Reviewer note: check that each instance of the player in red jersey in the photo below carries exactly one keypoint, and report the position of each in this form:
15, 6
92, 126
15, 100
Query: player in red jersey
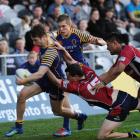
128, 59
81, 81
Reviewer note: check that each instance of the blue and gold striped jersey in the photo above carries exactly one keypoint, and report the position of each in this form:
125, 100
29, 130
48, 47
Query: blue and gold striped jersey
51, 58
73, 44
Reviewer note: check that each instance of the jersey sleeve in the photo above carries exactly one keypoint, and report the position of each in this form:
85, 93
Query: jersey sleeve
84, 37
69, 86
49, 57
86, 69
126, 56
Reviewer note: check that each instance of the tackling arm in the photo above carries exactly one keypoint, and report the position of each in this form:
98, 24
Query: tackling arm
113, 73
66, 55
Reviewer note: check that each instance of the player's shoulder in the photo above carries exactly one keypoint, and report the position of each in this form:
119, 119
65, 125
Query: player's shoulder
127, 49
75, 31
51, 51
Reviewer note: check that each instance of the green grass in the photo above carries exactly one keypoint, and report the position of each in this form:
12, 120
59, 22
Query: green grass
43, 129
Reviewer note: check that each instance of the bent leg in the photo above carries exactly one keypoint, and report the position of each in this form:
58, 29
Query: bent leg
106, 130
62, 108
25, 94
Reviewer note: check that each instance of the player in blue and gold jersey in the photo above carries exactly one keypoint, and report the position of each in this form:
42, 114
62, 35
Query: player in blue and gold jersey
50, 60
72, 40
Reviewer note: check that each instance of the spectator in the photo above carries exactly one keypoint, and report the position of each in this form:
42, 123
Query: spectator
52, 19
95, 26
24, 27
70, 8
119, 10
38, 14
9, 62
101, 6
84, 10
83, 24
4, 48
56, 3
32, 63
20, 49
133, 11
120, 14
110, 25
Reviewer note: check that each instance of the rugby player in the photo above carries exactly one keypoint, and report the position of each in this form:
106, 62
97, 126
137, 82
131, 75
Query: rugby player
128, 59
72, 39
50, 59
81, 81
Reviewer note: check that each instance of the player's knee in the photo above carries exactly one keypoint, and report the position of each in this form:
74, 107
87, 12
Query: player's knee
57, 111
101, 137
21, 97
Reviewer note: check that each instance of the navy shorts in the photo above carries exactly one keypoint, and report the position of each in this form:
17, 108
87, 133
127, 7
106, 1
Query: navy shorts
121, 107
47, 86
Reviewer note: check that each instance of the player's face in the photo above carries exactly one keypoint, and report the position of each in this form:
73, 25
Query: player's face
113, 47
40, 41
64, 28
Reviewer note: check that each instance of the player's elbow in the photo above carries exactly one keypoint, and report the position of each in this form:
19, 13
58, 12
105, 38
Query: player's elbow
40, 75
115, 72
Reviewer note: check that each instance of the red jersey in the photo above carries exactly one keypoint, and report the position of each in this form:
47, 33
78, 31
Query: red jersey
84, 89
130, 57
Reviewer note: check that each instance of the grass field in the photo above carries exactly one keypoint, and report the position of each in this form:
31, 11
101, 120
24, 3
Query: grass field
43, 129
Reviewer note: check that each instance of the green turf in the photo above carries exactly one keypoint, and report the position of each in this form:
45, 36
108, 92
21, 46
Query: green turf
43, 129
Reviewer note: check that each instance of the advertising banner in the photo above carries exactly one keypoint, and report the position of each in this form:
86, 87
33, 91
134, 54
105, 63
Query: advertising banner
37, 107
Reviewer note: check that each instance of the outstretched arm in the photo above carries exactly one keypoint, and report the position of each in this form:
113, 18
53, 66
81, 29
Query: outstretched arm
113, 73
96, 40
66, 55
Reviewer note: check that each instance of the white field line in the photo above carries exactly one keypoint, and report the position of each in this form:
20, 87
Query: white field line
74, 131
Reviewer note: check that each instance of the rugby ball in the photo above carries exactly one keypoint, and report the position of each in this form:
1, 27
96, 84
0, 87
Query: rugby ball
22, 73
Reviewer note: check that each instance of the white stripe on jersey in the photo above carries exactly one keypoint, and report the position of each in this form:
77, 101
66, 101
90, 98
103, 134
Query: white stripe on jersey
137, 59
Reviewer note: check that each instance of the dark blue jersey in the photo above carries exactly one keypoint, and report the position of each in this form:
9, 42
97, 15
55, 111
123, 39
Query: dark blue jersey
31, 68
74, 44
51, 58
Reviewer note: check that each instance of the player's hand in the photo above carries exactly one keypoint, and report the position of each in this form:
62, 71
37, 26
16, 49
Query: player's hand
20, 81
97, 40
58, 46
100, 41
98, 86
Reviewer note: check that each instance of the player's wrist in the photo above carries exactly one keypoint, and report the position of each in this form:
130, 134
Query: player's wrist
104, 83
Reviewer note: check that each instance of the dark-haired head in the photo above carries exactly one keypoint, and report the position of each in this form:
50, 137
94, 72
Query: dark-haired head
64, 17
121, 38
38, 31
74, 70
115, 41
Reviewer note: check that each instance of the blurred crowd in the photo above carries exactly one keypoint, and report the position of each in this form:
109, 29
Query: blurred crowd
97, 17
